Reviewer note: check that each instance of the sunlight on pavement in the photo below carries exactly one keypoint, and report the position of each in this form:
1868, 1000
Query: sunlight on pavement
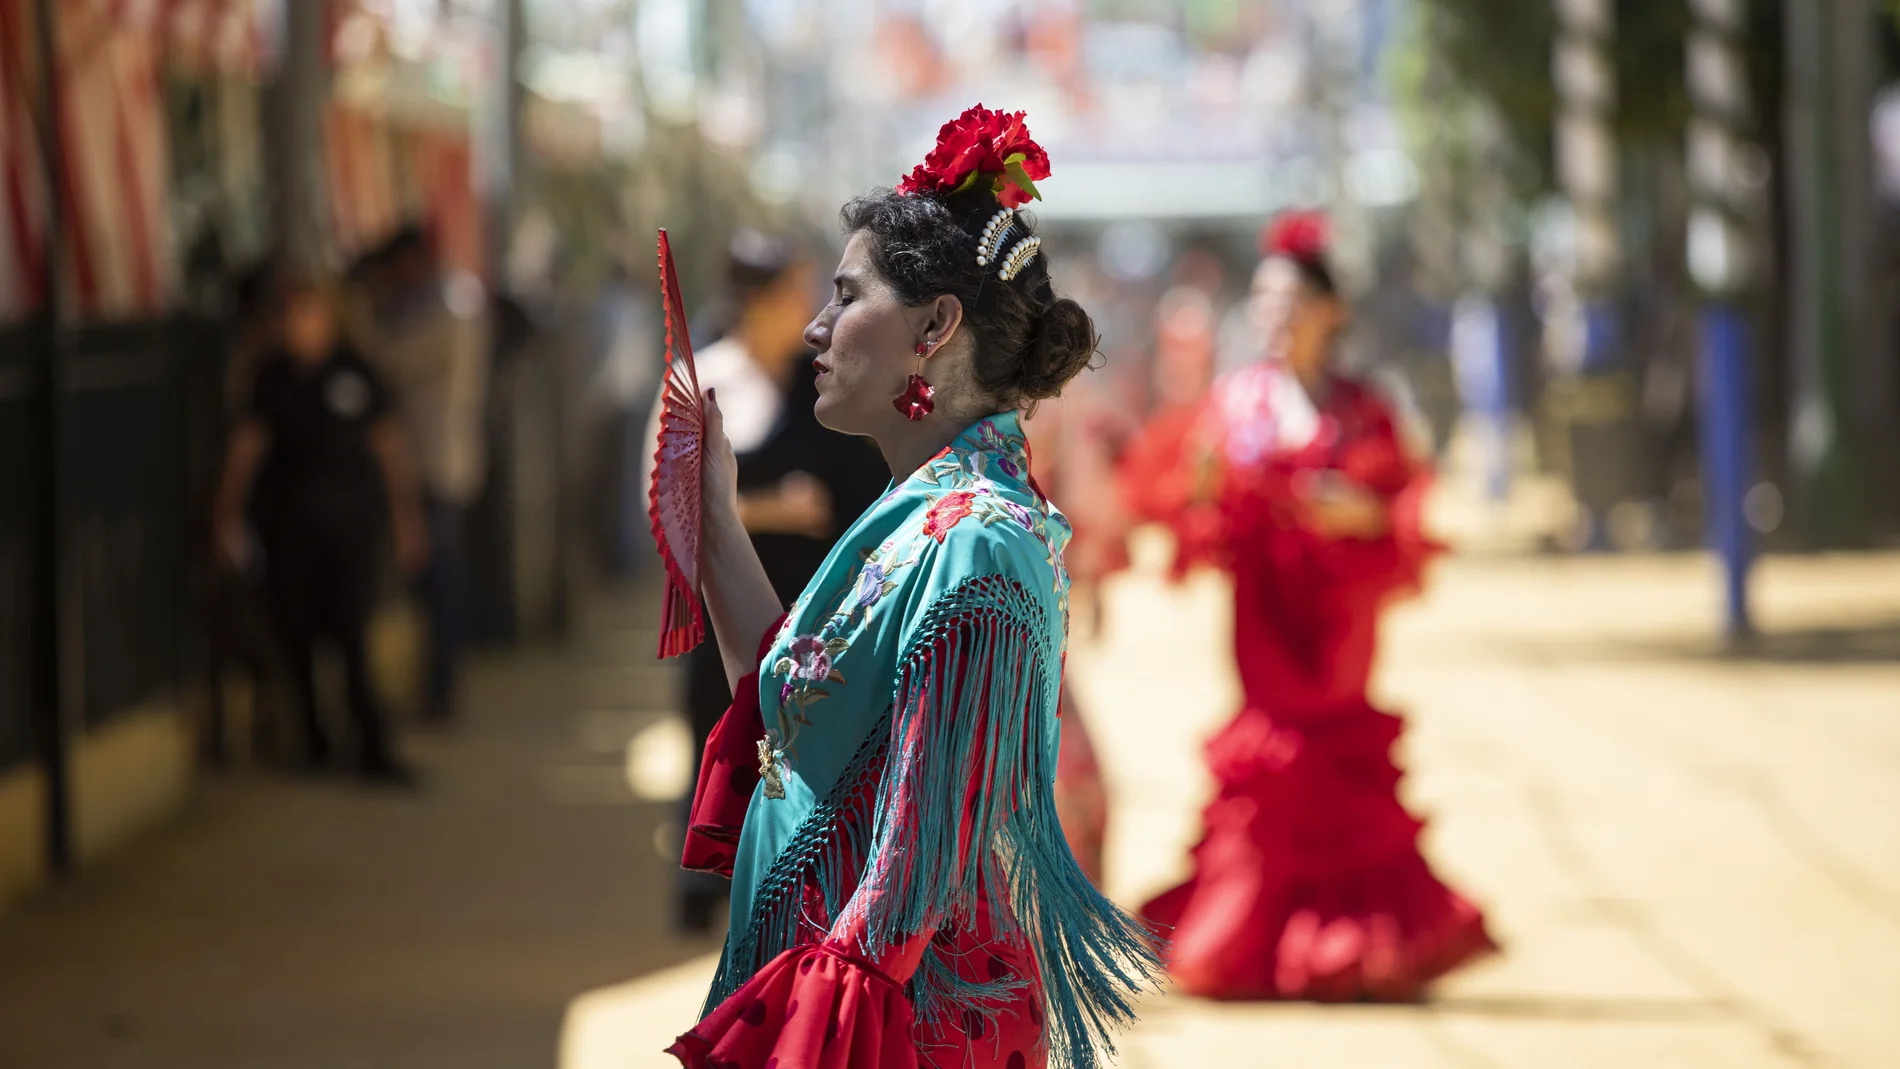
628, 1026
659, 765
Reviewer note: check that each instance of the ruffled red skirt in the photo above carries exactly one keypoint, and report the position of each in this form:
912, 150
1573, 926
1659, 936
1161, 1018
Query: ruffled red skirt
819, 1007
1309, 883
810, 1007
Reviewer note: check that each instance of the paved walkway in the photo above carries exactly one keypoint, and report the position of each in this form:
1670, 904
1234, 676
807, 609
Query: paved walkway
296, 924
1694, 862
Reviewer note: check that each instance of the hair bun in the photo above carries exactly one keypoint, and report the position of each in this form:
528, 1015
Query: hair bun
1063, 344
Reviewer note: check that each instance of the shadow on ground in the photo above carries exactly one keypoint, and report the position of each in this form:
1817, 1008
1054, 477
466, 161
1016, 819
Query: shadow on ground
1877, 643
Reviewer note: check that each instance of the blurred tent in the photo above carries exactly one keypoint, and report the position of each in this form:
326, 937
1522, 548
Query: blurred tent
399, 128
114, 59
110, 397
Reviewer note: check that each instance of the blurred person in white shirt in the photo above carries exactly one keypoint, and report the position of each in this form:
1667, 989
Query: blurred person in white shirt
431, 340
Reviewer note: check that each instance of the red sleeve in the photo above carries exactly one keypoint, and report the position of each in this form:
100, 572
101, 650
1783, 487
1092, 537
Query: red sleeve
1157, 470
728, 774
816, 1005
1162, 473
1377, 568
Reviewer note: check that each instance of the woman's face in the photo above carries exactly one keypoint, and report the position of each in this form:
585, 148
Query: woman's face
866, 346
309, 327
1297, 323
1184, 350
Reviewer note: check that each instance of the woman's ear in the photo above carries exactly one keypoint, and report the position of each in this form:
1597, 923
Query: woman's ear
942, 318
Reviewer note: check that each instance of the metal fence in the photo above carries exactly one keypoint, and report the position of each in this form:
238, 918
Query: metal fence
22, 465
127, 475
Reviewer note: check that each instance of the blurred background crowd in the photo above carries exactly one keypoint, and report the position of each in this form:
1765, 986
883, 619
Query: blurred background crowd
1629, 268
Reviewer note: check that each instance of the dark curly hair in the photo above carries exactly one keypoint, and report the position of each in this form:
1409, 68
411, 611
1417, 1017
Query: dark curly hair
1029, 342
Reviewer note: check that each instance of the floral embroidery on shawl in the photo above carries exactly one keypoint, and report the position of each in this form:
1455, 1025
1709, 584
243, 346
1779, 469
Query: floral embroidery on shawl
947, 512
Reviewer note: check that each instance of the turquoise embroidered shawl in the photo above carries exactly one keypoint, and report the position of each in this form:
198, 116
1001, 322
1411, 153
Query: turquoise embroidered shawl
927, 652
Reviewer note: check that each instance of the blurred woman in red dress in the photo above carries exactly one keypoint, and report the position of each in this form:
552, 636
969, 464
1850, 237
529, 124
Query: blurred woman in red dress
1308, 883
1158, 480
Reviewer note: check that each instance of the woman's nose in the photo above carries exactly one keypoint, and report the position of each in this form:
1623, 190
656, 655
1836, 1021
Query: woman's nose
818, 334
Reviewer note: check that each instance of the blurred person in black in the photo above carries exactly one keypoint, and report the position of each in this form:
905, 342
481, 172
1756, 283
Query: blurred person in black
428, 334
239, 631
321, 462
800, 485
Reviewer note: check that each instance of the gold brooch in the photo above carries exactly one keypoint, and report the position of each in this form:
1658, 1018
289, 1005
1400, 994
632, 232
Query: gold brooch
769, 769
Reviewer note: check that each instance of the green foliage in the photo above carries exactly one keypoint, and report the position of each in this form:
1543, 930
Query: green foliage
1499, 51
1495, 51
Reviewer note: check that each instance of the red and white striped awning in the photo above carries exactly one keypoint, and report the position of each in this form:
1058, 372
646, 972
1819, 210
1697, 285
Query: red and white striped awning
22, 192
226, 36
115, 162
114, 153
120, 260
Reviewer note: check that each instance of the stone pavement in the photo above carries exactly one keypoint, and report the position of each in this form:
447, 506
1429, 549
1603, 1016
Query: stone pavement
1693, 861
285, 923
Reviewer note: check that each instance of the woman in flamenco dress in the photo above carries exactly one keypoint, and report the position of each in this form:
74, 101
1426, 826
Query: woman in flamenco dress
1308, 883
881, 791
1157, 480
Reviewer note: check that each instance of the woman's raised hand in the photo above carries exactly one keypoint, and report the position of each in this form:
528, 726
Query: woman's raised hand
739, 594
719, 468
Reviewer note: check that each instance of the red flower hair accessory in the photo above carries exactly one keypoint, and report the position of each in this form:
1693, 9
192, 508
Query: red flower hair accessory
982, 146
1299, 235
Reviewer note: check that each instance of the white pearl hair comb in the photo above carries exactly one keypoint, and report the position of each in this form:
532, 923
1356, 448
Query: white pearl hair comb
989, 247
1018, 258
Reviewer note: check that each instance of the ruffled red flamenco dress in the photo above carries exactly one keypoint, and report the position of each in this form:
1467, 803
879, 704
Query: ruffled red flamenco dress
1309, 883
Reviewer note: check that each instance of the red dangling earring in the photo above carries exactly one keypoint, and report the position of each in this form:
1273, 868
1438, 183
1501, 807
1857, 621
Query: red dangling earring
918, 398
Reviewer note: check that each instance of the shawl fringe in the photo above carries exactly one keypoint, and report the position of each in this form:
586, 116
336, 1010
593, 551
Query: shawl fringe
976, 697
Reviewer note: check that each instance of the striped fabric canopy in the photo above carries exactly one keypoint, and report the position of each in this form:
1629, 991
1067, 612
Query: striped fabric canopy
114, 161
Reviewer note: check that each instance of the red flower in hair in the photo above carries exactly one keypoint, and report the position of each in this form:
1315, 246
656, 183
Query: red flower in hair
982, 144
1300, 235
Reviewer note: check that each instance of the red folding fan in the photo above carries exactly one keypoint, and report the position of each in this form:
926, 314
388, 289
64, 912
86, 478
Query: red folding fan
673, 499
